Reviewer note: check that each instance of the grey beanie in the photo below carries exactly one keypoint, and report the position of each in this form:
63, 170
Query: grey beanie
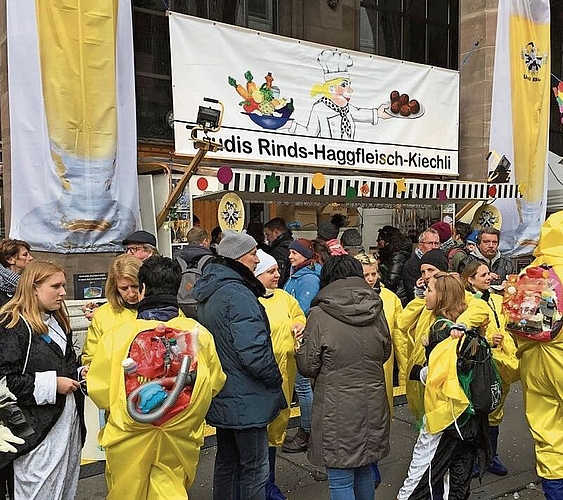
328, 230
351, 238
234, 245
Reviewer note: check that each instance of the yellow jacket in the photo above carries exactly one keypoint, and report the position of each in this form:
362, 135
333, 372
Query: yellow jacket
392, 308
144, 461
479, 312
105, 319
541, 368
444, 399
283, 313
414, 323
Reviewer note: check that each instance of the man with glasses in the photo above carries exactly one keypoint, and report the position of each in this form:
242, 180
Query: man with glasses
428, 240
140, 244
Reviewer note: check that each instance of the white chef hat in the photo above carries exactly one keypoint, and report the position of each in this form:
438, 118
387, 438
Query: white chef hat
335, 64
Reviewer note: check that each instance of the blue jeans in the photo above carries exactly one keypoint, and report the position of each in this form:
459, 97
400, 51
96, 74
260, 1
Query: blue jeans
305, 395
553, 489
351, 484
241, 464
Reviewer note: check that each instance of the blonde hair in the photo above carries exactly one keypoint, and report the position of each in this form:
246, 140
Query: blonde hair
324, 88
367, 260
124, 266
450, 296
25, 303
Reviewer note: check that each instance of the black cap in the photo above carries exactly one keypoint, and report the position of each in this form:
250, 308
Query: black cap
436, 258
142, 237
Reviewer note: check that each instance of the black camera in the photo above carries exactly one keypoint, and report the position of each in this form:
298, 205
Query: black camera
14, 419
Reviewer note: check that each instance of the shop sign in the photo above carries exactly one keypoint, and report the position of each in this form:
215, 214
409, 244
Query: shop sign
293, 102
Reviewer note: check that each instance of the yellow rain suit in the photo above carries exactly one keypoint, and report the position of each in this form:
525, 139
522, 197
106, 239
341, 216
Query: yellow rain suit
414, 322
392, 308
283, 313
541, 368
144, 461
105, 318
444, 399
480, 312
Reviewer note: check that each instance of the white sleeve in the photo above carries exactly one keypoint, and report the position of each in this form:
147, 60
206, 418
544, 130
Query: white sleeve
45, 391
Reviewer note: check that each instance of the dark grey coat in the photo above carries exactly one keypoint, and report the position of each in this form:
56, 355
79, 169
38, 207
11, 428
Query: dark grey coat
346, 343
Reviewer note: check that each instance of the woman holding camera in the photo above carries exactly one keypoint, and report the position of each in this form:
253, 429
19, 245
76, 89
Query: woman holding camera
39, 363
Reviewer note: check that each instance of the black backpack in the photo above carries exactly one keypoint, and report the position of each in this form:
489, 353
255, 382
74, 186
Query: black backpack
477, 373
190, 275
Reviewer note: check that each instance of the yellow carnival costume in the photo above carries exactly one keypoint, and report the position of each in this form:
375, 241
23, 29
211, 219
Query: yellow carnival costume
283, 313
480, 312
444, 399
414, 323
392, 308
146, 461
105, 318
541, 368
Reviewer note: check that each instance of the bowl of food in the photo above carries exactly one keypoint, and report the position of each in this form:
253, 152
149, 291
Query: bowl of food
270, 122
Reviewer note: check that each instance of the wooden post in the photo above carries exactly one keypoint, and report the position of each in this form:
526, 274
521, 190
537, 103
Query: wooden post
203, 146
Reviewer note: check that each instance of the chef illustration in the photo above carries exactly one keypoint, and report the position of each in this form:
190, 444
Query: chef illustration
332, 116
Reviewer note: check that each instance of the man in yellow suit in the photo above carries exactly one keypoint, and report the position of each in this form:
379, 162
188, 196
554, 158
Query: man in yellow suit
154, 460
541, 369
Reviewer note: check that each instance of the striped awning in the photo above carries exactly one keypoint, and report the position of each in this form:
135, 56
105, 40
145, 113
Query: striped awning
370, 191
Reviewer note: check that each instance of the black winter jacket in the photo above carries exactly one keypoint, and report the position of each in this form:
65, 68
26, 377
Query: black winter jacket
391, 270
279, 250
43, 356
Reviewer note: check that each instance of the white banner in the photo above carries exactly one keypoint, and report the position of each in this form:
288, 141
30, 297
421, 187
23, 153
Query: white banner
294, 102
520, 117
72, 124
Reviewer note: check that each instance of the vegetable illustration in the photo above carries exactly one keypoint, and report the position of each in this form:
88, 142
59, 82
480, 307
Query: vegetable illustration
263, 104
239, 88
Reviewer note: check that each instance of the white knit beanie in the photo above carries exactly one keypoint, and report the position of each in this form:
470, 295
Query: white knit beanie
266, 262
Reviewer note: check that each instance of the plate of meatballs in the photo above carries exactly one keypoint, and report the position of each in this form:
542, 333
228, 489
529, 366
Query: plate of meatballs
402, 106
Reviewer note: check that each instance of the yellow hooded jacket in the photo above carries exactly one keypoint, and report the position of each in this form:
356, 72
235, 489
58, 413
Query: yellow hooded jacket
480, 312
283, 313
541, 368
444, 399
392, 308
144, 461
414, 322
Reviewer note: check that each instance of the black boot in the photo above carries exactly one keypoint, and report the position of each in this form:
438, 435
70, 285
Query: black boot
496, 467
299, 444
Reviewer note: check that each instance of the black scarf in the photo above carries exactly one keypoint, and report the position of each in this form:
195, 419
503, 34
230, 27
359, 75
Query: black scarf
250, 281
345, 125
159, 307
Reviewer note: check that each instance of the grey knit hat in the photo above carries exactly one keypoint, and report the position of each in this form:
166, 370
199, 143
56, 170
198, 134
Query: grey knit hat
351, 238
234, 245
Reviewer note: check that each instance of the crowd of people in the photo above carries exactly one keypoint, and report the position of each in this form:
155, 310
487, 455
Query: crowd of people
275, 321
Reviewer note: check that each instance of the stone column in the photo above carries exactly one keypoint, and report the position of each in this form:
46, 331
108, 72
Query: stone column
478, 22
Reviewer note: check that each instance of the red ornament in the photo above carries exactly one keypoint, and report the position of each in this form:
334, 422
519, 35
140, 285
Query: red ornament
202, 184
492, 191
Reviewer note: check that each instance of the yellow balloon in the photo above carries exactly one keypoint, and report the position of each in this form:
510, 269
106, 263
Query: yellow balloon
319, 181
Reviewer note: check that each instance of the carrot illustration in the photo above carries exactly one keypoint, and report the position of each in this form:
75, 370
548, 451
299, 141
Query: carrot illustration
250, 85
239, 88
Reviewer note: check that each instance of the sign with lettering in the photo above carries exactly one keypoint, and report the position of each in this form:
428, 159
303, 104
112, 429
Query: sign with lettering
293, 102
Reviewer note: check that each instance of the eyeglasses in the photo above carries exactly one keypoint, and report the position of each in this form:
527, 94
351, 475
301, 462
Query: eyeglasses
431, 243
133, 249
